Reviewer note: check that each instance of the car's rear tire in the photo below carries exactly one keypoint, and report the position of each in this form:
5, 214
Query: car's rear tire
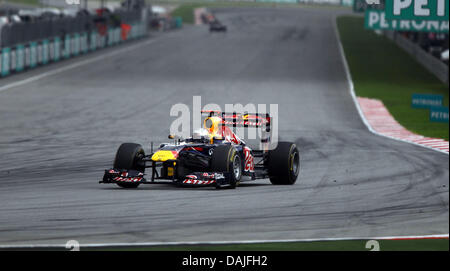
127, 157
284, 164
225, 158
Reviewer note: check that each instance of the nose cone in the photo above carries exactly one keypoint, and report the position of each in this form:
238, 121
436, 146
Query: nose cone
162, 156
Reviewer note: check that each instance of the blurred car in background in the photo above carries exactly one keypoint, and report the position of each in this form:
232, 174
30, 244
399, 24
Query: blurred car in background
217, 26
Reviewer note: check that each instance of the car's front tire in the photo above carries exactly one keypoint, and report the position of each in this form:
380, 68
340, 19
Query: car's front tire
225, 158
284, 164
127, 157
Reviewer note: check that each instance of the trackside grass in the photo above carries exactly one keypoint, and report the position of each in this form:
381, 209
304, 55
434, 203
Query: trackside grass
186, 12
353, 245
25, 2
382, 70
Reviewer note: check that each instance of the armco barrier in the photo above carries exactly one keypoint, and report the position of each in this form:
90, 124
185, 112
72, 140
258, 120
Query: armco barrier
41, 52
432, 64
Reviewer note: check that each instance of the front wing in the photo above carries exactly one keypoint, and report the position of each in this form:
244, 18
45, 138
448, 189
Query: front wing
217, 179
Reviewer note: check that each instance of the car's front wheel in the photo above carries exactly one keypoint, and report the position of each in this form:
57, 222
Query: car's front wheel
127, 157
226, 159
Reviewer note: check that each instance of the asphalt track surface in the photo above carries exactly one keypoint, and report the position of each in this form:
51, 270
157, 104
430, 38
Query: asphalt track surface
59, 133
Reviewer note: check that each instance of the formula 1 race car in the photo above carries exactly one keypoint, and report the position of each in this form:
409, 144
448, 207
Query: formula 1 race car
213, 156
217, 26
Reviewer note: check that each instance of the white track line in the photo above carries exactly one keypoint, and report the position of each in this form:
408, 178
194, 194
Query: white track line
76, 65
355, 100
145, 244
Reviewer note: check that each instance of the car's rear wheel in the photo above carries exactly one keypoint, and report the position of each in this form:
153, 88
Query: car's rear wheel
226, 159
127, 157
284, 164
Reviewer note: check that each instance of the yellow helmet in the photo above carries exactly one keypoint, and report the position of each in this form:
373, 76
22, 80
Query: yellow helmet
213, 125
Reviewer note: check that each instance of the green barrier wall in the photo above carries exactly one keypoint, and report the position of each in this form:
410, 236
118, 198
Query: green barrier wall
20, 57
29, 56
84, 43
66, 53
33, 54
110, 37
6, 53
45, 51
117, 35
76, 44
57, 48
178, 22
93, 45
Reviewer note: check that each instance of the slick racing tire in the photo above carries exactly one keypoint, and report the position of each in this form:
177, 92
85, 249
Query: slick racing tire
127, 157
284, 164
225, 158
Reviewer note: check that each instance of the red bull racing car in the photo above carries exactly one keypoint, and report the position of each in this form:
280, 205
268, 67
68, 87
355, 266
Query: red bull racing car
214, 156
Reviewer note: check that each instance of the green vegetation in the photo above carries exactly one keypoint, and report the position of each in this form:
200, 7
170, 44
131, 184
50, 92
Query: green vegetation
382, 70
186, 12
25, 2
353, 245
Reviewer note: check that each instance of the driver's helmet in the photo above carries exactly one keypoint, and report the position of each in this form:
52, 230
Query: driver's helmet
213, 126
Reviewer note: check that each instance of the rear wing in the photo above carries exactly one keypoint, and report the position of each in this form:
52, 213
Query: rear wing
242, 120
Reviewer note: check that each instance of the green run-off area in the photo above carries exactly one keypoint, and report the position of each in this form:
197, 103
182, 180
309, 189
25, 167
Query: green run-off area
382, 70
